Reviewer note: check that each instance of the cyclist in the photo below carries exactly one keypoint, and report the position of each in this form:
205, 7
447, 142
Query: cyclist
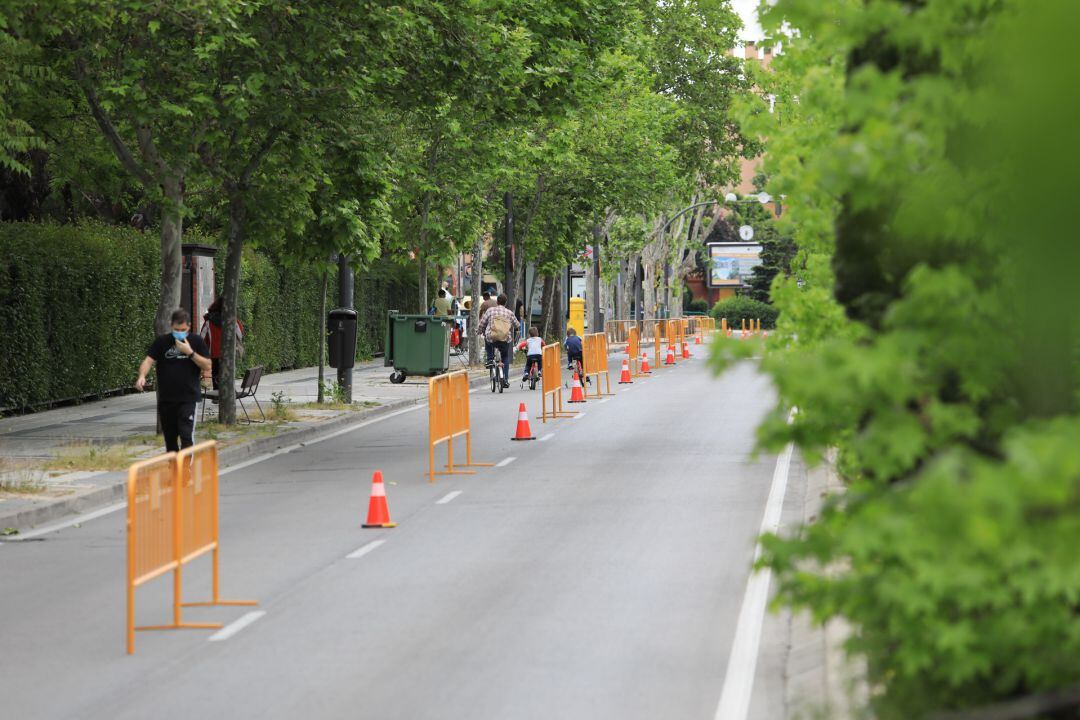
534, 353
497, 326
573, 351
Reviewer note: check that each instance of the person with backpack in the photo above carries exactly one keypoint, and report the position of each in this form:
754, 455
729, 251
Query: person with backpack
211, 335
498, 326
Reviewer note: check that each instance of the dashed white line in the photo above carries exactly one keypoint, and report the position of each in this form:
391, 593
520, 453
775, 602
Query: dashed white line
601, 402
547, 437
448, 497
579, 416
505, 462
362, 551
236, 626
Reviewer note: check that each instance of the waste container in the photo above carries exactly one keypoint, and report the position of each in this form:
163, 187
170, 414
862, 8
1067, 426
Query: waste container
417, 344
341, 337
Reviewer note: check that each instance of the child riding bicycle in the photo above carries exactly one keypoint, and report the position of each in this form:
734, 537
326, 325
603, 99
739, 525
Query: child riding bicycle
534, 353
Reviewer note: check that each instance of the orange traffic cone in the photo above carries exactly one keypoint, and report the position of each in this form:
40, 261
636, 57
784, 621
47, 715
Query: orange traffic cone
670, 359
624, 376
523, 431
378, 514
645, 369
685, 351
697, 339
576, 393
729, 332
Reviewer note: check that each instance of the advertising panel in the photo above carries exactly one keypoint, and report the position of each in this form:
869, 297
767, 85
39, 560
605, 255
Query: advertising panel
732, 264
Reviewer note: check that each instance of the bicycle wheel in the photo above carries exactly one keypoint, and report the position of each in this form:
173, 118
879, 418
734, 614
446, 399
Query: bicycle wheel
502, 384
494, 377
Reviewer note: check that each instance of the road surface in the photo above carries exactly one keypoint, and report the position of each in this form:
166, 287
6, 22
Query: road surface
597, 574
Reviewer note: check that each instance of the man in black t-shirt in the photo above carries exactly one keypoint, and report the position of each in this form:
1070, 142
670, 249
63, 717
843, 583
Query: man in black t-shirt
180, 359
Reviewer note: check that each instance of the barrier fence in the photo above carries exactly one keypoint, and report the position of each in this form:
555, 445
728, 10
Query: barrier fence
172, 519
633, 350
449, 418
595, 356
551, 383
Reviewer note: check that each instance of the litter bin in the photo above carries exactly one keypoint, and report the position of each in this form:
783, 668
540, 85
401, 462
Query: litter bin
341, 337
417, 345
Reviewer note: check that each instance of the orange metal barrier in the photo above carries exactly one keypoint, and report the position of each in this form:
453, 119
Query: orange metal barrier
448, 418
172, 519
633, 349
595, 355
551, 383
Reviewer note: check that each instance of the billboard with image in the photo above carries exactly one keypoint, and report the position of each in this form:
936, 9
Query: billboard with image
732, 264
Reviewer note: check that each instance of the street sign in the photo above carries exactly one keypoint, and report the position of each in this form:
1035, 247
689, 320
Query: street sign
746, 233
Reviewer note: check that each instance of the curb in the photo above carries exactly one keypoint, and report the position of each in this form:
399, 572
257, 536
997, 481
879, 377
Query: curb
115, 488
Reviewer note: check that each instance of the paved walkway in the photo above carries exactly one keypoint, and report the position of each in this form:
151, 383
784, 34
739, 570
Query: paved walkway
30, 445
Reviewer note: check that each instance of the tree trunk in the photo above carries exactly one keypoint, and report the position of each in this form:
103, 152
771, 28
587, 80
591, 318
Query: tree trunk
509, 277
546, 297
558, 313
474, 291
172, 231
229, 298
322, 339
597, 319
422, 272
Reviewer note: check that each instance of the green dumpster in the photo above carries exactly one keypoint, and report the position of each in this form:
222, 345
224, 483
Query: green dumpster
417, 345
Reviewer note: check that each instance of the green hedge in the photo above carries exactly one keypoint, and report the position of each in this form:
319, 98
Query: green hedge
77, 307
76, 310
739, 308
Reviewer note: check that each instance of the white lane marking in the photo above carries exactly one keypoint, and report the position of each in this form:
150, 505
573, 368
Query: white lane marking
100, 512
547, 437
448, 497
236, 626
364, 550
505, 462
579, 416
739, 680
626, 389
601, 402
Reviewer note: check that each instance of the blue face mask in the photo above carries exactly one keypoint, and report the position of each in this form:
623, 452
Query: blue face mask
179, 335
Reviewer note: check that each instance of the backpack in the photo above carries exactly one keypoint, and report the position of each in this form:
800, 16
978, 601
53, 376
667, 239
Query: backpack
499, 329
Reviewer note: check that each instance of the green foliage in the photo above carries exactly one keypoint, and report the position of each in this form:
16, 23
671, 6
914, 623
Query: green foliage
74, 304
697, 306
739, 308
77, 308
910, 139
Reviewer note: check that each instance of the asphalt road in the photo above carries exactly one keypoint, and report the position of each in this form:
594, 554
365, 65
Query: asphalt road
599, 574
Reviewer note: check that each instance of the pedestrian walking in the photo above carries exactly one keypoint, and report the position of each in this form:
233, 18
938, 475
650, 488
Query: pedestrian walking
519, 313
180, 359
211, 335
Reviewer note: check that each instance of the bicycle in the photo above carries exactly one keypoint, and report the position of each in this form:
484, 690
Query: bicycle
495, 370
579, 367
532, 378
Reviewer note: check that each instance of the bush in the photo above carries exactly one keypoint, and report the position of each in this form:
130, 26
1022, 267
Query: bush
76, 310
739, 308
77, 306
698, 306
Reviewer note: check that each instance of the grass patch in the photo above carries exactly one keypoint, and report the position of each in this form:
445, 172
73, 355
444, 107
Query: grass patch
336, 405
21, 478
83, 456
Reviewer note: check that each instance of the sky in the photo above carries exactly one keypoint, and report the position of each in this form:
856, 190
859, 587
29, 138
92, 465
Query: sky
747, 10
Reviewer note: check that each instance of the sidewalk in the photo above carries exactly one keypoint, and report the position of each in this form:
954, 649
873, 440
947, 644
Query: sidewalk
51, 462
